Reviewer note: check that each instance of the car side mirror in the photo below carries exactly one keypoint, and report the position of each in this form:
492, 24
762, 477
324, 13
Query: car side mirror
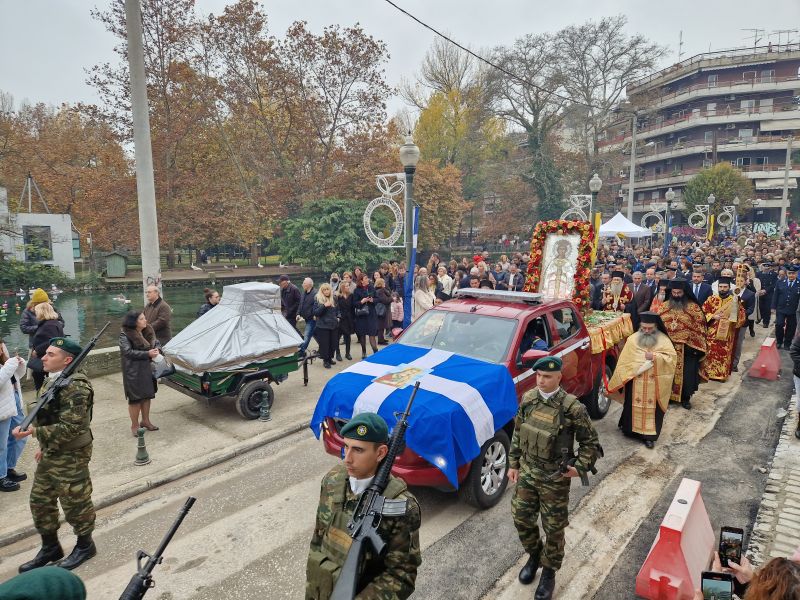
531, 356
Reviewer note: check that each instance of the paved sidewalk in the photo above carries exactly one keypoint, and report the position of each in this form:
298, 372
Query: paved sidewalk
776, 532
193, 435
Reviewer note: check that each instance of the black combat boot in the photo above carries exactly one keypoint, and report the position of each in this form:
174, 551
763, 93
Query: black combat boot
528, 572
16, 476
547, 583
338, 355
84, 550
50, 551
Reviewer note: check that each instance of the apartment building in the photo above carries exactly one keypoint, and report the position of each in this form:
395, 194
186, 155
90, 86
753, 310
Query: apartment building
739, 106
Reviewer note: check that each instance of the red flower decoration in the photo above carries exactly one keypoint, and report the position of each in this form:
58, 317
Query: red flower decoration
580, 293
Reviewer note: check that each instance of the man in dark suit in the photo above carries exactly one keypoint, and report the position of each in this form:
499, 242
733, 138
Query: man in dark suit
642, 294
597, 297
784, 302
700, 288
768, 279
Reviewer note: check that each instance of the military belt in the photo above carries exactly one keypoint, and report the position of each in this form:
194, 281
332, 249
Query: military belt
79, 442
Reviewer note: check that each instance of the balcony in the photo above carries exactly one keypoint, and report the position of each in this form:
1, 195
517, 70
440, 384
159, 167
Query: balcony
680, 178
702, 118
678, 150
766, 85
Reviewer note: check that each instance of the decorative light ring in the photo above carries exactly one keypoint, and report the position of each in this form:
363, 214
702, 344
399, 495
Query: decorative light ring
726, 217
397, 229
699, 218
658, 226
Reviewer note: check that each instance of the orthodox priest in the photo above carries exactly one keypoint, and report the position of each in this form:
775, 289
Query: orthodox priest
616, 295
686, 327
646, 369
724, 315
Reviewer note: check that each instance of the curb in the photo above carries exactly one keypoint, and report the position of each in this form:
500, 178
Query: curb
172, 474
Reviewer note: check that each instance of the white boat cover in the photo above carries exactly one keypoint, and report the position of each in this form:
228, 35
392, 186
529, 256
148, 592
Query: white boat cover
245, 327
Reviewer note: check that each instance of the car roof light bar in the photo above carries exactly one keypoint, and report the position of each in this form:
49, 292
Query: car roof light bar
501, 295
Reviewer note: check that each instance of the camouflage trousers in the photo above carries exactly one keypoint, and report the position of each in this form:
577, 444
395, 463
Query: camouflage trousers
536, 495
63, 477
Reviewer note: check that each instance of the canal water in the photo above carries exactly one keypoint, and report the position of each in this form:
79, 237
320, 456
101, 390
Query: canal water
85, 313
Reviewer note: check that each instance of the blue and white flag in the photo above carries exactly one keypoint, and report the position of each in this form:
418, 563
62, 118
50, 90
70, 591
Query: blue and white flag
408, 290
461, 401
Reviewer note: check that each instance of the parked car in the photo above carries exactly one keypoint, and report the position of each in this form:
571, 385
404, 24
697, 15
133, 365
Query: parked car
499, 327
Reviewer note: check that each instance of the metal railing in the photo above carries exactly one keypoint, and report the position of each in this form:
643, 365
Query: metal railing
694, 170
723, 145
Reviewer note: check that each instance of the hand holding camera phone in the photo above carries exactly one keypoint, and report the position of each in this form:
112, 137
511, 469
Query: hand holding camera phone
717, 586
730, 545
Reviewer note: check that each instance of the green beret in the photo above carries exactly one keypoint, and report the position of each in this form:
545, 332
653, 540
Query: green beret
66, 345
551, 364
367, 427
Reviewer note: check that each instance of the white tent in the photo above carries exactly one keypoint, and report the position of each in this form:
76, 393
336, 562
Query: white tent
619, 224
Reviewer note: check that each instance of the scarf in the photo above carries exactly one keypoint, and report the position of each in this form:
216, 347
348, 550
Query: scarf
143, 340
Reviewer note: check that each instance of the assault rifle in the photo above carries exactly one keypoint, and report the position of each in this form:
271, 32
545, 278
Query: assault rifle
62, 381
143, 579
372, 505
567, 461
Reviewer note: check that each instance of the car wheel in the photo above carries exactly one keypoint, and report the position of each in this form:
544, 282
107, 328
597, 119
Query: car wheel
597, 402
488, 476
251, 397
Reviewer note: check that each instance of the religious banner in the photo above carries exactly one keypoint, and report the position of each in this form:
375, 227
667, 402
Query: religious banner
561, 260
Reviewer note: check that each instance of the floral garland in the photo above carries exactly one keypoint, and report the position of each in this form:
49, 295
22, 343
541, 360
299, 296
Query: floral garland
580, 292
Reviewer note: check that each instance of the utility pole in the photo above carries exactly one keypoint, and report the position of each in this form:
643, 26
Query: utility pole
633, 168
145, 184
785, 195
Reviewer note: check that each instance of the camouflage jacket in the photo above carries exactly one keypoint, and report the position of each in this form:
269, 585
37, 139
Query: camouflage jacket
63, 424
390, 577
540, 413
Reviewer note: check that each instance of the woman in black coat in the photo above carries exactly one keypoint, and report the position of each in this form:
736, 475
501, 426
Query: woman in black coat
138, 346
383, 297
327, 324
366, 324
48, 326
344, 305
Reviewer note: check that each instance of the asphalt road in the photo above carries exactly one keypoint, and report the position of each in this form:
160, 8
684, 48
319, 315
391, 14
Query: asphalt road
247, 535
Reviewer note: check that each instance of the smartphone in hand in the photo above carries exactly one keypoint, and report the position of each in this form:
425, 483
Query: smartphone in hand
730, 545
716, 586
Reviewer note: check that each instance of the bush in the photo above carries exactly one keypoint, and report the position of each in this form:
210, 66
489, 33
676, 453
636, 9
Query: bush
15, 274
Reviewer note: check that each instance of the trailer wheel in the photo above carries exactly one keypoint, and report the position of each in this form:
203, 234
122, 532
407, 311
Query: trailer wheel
597, 401
251, 397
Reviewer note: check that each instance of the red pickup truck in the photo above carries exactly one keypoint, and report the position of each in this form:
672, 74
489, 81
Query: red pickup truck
520, 323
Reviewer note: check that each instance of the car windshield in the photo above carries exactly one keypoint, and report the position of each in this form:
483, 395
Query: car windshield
469, 334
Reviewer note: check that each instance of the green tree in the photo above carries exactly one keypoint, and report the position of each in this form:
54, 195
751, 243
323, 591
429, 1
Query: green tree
722, 180
328, 235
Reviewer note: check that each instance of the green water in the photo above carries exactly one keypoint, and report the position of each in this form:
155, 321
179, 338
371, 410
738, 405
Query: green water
85, 313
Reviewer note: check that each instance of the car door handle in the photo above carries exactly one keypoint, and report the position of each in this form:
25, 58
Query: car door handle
586, 344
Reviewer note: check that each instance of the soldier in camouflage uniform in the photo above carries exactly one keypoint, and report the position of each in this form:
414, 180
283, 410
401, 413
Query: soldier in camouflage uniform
62, 429
390, 577
547, 418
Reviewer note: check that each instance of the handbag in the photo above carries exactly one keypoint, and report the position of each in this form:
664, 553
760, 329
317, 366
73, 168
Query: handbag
380, 309
161, 367
362, 311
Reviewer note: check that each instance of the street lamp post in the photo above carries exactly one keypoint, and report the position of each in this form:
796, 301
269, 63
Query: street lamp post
756, 204
734, 225
633, 168
670, 196
409, 157
595, 183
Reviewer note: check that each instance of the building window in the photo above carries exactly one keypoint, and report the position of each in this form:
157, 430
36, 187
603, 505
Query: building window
712, 80
657, 171
655, 195
76, 246
38, 243
711, 109
680, 141
640, 196
708, 137
749, 76
707, 163
745, 134
743, 161
762, 160
765, 105
768, 76
747, 105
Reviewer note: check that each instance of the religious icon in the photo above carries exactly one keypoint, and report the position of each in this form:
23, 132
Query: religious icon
559, 260
402, 376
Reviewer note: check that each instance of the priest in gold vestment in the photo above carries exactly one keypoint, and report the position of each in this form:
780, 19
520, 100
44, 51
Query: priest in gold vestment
616, 295
725, 315
646, 369
686, 327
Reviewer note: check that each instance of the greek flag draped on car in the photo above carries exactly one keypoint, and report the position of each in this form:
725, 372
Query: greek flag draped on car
461, 402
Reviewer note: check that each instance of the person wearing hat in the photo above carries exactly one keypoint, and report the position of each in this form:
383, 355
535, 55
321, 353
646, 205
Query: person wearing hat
617, 295
47, 583
768, 278
724, 316
62, 428
685, 325
645, 369
785, 300
548, 419
393, 575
